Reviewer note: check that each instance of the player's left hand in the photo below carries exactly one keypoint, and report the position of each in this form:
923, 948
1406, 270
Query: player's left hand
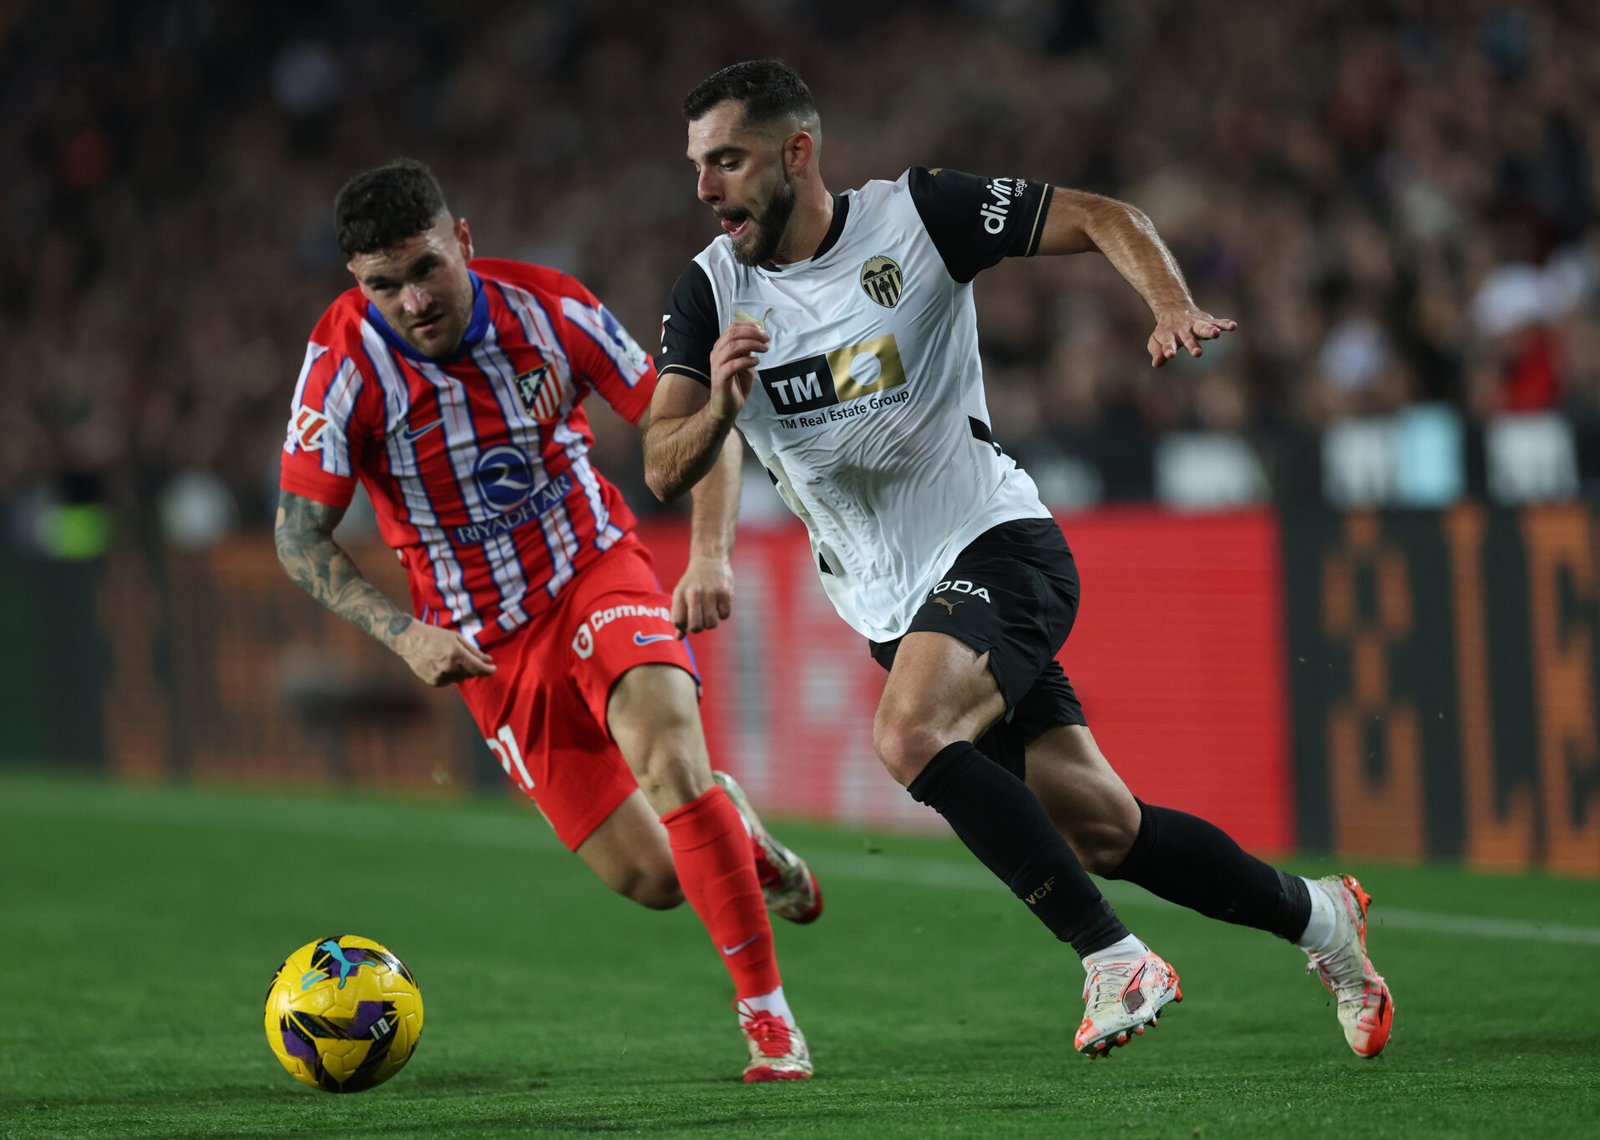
704, 595
1188, 326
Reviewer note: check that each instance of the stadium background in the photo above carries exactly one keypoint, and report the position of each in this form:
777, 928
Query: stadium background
1341, 586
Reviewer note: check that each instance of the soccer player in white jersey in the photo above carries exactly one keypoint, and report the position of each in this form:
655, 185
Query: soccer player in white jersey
452, 388
837, 333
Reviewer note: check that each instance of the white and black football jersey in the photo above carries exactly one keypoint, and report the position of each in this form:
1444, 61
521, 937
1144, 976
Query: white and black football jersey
869, 410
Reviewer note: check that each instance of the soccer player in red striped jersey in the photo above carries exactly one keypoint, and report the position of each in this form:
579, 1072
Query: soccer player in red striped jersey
451, 388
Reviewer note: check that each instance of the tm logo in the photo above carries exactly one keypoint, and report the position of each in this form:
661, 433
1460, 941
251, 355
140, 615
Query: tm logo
346, 966
834, 377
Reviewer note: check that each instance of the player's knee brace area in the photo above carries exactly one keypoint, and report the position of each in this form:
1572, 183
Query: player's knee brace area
1140, 852
945, 770
904, 748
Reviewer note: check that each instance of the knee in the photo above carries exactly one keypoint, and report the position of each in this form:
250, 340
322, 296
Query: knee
904, 746
654, 886
1102, 844
672, 772
653, 718
664, 776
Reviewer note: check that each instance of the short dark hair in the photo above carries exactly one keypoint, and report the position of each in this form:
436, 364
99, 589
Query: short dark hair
767, 89
382, 207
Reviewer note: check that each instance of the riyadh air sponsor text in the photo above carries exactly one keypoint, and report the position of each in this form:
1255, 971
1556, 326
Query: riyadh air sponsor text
534, 506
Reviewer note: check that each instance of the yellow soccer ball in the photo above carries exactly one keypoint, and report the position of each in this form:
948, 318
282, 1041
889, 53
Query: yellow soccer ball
343, 1014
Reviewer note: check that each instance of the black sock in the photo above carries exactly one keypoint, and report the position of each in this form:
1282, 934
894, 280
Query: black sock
1005, 826
1195, 864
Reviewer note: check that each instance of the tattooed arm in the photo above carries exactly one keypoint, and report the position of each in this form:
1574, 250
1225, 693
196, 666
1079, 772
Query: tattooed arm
320, 567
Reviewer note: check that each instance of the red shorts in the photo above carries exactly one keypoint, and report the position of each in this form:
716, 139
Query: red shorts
543, 710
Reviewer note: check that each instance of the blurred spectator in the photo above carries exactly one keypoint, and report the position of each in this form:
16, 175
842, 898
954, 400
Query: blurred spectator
1515, 311
1396, 198
1357, 370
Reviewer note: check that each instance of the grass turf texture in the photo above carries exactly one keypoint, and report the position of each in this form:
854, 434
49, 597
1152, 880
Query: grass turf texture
141, 925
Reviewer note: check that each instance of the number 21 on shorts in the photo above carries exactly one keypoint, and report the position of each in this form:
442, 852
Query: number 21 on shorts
506, 750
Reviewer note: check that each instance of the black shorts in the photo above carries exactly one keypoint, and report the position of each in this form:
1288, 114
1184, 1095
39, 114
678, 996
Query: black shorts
1011, 593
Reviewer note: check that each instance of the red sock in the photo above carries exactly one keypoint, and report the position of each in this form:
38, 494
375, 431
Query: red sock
712, 854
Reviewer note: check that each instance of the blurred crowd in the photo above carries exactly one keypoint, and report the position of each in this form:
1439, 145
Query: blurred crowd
1397, 199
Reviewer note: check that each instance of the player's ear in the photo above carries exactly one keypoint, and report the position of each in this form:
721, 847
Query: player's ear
464, 236
798, 151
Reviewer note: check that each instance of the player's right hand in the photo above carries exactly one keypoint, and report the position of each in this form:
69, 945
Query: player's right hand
441, 656
1184, 326
733, 367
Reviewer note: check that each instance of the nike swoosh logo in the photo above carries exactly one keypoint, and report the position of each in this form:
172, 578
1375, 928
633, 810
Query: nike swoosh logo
731, 951
647, 639
412, 435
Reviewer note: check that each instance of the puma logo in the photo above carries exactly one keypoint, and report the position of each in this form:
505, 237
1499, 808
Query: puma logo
1133, 994
347, 966
949, 606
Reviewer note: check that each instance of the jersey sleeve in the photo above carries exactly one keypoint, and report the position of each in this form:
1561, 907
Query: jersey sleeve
689, 326
320, 459
975, 221
603, 354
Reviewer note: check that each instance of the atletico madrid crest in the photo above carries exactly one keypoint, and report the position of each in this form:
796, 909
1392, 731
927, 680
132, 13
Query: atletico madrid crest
540, 393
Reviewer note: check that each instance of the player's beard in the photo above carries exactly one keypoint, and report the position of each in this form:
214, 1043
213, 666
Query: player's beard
770, 225
441, 341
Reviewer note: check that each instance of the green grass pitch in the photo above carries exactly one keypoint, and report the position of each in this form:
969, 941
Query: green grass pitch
139, 928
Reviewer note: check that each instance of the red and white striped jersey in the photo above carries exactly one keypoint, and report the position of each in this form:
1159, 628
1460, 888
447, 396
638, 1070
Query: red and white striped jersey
478, 465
